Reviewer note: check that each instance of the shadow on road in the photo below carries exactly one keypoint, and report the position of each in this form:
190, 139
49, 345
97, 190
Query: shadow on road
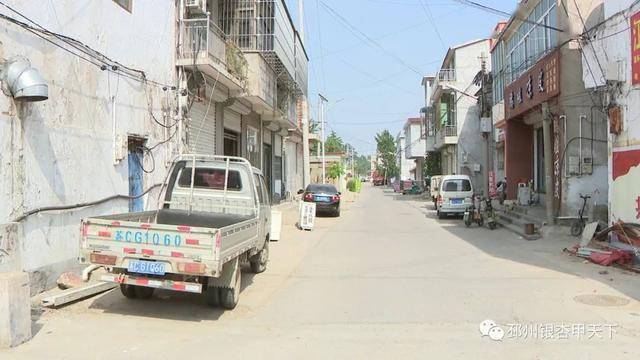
545, 253
165, 304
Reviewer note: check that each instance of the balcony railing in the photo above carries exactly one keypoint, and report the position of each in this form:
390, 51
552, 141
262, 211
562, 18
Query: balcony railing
450, 130
264, 26
201, 38
447, 75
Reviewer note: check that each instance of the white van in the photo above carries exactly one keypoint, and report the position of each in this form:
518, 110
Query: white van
455, 195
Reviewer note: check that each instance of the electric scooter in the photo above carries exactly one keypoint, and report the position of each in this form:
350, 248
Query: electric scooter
473, 214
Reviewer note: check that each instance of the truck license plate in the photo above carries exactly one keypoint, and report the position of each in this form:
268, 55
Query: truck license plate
146, 267
456, 201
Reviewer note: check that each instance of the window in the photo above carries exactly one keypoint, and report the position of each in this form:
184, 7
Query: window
531, 41
125, 4
456, 185
253, 150
212, 179
259, 188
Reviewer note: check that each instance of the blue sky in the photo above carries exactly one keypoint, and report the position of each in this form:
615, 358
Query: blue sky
376, 87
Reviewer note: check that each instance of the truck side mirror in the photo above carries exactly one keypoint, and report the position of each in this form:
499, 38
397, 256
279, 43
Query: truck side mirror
300, 192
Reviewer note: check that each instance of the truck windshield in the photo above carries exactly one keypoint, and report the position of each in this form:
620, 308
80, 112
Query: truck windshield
210, 179
457, 185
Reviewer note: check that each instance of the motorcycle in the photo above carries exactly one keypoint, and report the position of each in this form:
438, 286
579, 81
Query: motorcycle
472, 214
490, 214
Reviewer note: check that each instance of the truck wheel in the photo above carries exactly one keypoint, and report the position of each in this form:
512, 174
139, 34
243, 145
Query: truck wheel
143, 292
212, 296
128, 291
259, 261
229, 296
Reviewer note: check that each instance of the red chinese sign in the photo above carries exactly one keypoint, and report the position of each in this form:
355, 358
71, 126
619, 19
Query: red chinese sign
535, 86
635, 48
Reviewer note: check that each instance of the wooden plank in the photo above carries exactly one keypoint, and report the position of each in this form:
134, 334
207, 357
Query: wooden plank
71, 295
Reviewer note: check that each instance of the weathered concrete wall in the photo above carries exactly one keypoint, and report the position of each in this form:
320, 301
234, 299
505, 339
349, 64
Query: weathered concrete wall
612, 42
59, 151
15, 309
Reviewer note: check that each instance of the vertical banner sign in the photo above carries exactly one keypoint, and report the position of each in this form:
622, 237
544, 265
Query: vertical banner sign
557, 169
635, 48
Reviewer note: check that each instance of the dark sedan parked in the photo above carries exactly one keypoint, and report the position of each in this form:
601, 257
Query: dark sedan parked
326, 197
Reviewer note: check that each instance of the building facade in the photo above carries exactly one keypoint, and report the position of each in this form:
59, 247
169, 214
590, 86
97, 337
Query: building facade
610, 50
452, 112
415, 150
109, 125
403, 163
219, 77
548, 126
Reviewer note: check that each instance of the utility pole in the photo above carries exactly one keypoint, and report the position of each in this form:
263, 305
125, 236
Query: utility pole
321, 101
306, 167
548, 161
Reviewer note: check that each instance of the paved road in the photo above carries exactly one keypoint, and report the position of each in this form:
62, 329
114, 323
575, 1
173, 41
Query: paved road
386, 280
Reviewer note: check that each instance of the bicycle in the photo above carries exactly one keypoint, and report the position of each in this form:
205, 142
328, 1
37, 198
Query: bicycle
578, 225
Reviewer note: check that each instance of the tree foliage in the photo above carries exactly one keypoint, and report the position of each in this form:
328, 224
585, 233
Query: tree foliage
362, 165
386, 147
432, 164
335, 171
334, 143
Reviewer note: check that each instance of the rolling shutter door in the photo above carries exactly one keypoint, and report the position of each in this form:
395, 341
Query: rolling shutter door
232, 121
202, 131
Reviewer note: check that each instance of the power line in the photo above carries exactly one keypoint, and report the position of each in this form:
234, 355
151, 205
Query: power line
95, 57
504, 13
372, 42
427, 11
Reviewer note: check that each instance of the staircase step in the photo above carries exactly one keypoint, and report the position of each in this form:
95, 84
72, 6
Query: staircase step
519, 230
519, 219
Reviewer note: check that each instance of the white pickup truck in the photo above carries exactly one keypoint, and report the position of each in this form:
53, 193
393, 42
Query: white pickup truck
208, 221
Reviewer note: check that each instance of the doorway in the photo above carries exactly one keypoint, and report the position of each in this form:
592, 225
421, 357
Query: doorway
267, 167
231, 143
135, 160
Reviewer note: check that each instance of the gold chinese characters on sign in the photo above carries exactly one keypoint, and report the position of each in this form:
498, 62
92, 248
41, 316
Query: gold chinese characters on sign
535, 86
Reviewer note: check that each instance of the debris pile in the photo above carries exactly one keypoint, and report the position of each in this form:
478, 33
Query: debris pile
618, 244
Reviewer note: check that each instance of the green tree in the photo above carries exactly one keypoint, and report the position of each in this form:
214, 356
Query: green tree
432, 164
334, 143
335, 171
362, 165
386, 147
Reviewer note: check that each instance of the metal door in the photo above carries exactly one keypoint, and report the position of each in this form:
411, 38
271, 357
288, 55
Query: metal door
135, 179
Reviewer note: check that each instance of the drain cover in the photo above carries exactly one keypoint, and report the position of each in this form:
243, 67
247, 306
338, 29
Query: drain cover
601, 300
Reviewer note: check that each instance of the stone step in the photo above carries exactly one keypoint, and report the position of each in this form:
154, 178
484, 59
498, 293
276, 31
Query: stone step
519, 219
518, 230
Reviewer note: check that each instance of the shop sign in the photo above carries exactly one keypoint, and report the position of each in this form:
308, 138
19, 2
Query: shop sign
537, 85
635, 48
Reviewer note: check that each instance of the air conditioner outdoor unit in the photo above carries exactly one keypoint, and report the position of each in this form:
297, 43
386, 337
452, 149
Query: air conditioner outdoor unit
196, 6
